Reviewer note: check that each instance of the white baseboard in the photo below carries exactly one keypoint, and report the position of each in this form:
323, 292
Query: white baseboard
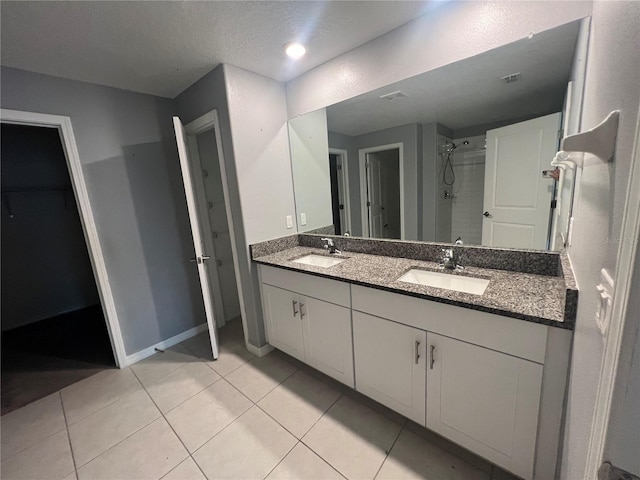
169, 342
259, 351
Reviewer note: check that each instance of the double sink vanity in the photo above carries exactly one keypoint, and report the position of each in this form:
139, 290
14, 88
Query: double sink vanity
478, 355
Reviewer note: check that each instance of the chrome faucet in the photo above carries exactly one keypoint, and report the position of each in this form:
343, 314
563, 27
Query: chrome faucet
330, 246
450, 260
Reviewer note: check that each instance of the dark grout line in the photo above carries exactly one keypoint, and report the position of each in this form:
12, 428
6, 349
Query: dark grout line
390, 450
282, 459
66, 424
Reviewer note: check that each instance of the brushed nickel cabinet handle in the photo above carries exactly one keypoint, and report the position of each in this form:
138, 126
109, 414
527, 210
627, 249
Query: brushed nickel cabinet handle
417, 348
302, 311
294, 303
432, 350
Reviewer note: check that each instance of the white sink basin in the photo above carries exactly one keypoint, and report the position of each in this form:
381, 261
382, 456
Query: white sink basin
319, 260
447, 281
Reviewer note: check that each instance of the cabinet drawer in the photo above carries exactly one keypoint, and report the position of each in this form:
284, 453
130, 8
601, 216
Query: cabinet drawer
509, 335
331, 291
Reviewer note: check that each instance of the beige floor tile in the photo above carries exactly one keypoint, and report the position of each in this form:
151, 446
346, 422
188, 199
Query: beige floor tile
161, 364
299, 402
303, 464
181, 384
413, 457
48, 459
30, 424
91, 394
249, 448
71, 476
107, 427
452, 448
187, 470
378, 407
205, 414
150, 453
259, 377
353, 438
232, 354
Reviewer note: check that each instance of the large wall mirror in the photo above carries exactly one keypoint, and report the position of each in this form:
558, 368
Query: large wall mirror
456, 152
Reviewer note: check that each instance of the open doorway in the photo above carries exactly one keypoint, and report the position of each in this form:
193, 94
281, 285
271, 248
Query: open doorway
339, 177
205, 182
53, 327
382, 196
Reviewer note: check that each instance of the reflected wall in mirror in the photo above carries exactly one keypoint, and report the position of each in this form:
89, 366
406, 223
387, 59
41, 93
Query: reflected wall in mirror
456, 152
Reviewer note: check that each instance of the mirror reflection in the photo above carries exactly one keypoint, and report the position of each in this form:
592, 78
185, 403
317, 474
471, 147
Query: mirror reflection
454, 153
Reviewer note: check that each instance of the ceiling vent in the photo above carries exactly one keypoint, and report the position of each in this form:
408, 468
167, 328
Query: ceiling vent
514, 77
394, 95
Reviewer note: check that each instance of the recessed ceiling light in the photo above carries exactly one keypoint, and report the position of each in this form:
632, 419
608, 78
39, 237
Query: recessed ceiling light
295, 50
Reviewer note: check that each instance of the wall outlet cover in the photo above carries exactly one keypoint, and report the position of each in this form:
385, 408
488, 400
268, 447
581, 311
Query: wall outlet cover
303, 219
289, 221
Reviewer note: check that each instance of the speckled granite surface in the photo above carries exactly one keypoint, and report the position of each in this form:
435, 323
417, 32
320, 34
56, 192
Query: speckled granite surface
328, 230
271, 246
531, 297
524, 261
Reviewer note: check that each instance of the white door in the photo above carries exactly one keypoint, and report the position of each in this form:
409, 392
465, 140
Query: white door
283, 320
201, 257
374, 196
214, 219
484, 400
390, 364
328, 345
517, 199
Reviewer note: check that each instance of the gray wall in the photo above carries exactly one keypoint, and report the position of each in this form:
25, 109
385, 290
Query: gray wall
253, 122
45, 264
410, 136
128, 155
426, 43
613, 76
345, 142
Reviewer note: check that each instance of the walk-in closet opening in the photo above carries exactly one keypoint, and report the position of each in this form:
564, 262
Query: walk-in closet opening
53, 326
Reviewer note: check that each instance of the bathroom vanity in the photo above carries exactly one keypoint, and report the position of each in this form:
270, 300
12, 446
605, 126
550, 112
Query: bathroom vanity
485, 371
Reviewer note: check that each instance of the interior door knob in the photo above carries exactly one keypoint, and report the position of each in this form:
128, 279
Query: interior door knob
487, 214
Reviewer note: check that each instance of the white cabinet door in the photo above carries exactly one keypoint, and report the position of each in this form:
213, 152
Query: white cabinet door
327, 338
390, 364
485, 401
283, 322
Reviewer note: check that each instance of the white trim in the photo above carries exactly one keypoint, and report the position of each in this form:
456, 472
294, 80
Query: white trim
344, 157
64, 127
169, 342
199, 125
627, 249
203, 214
259, 351
362, 154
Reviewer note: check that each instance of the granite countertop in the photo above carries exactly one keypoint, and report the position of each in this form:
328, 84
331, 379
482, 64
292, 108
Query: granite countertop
530, 297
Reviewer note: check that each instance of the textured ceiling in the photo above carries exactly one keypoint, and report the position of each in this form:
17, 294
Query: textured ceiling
161, 48
470, 92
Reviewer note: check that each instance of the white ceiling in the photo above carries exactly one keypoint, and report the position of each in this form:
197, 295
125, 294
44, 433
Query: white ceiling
161, 48
471, 93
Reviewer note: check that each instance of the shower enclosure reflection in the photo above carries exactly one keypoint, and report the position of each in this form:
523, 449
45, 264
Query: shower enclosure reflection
454, 152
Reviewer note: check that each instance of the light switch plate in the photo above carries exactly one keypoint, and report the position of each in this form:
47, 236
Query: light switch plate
289, 221
303, 219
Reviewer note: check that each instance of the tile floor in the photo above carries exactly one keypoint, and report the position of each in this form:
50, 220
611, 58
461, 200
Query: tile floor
179, 415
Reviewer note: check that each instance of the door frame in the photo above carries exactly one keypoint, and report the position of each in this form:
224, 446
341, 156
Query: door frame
191, 132
206, 122
614, 373
363, 174
63, 125
344, 180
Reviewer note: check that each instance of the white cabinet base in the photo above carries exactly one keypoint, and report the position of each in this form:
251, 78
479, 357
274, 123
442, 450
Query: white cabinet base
484, 400
390, 364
